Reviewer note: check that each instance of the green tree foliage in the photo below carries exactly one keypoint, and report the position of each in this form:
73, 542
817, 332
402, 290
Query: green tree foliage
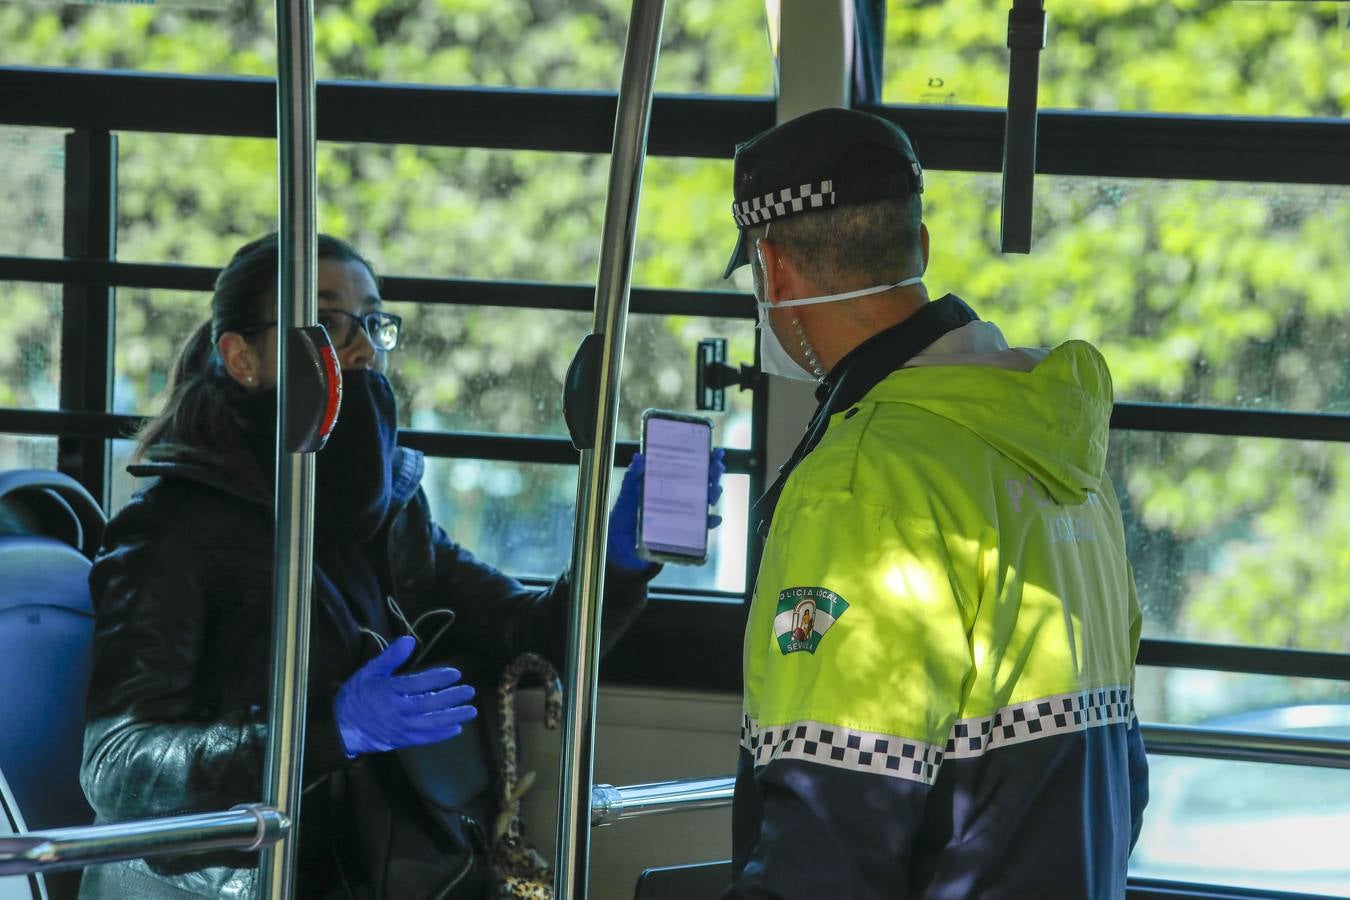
1198, 292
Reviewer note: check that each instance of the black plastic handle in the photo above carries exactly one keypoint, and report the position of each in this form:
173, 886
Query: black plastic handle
580, 390
313, 389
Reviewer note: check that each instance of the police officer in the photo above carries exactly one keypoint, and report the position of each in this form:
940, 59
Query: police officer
939, 658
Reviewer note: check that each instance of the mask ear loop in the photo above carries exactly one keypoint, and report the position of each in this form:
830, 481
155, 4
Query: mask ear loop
411, 627
759, 251
376, 636
440, 611
814, 361
763, 321
440, 632
394, 608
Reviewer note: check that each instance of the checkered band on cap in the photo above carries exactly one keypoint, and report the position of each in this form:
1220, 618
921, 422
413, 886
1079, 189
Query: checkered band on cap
899, 757
783, 202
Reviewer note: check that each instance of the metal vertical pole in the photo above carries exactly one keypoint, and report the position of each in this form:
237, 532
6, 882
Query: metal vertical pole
592, 525
297, 305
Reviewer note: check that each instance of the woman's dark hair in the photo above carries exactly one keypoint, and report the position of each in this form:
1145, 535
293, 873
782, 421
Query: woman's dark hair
199, 412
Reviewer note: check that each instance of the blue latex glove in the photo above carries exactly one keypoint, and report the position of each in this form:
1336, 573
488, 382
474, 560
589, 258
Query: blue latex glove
623, 519
378, 710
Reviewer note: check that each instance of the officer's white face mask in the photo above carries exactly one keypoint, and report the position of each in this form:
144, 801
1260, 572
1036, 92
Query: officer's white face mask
773, 359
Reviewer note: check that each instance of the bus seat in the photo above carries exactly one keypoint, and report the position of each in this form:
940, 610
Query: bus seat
697, 881
16, 887
50, 528
39, 501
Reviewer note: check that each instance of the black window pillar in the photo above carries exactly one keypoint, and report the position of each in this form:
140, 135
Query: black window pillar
87, 309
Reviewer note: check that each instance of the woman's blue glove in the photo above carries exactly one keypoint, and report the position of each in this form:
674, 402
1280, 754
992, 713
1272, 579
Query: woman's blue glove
623, 519
378, 710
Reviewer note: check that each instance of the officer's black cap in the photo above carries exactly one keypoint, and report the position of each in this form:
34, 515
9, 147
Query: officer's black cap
824, 159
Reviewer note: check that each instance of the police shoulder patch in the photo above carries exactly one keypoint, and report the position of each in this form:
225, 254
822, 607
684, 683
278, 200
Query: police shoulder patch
804, 615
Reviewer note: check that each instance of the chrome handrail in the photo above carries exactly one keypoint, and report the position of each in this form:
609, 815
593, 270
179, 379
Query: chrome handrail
253, 827
619, 232
297, 306
244, 828
1247, 746
610, 804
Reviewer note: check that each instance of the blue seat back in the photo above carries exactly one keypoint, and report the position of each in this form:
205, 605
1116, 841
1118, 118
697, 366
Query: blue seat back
49, 530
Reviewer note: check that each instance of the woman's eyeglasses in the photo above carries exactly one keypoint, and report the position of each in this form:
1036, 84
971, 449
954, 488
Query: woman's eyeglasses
381, 327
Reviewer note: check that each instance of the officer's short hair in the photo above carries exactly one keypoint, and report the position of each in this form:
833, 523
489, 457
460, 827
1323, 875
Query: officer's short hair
875, 242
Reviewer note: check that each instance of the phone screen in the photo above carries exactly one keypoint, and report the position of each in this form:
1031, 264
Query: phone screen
675, 487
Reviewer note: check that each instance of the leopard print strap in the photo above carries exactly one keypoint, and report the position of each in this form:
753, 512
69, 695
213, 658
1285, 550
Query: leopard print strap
521, 872
506, 712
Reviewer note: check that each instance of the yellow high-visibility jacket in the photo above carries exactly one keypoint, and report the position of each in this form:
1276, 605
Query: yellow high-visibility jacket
939, 658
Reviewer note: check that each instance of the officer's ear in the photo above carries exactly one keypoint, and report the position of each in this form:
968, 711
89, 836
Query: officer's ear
770, 269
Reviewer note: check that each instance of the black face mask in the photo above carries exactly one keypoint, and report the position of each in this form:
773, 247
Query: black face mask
354, 471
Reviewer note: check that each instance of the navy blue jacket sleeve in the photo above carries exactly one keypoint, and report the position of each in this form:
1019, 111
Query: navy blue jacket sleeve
497, 618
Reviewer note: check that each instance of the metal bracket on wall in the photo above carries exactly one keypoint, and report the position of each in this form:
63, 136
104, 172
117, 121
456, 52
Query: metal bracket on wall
1026, 40
713, 375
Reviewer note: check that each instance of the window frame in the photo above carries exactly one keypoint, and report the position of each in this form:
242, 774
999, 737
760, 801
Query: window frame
95, 105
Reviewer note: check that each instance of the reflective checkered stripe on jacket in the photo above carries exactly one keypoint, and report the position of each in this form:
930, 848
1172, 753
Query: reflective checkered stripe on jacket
901, 757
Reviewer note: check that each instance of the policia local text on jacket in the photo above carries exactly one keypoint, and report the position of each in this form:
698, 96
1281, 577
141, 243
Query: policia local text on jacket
939, 659
179, 692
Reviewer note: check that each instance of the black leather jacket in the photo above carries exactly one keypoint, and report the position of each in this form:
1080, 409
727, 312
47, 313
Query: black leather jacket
179, 692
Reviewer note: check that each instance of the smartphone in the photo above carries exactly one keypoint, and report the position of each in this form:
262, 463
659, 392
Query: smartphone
673, 518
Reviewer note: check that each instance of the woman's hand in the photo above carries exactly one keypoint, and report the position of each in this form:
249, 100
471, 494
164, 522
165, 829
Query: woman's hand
377, 710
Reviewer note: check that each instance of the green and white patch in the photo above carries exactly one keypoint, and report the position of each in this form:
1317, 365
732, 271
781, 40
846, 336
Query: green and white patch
804, 615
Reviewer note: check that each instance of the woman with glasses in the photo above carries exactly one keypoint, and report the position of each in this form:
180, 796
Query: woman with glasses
397, 785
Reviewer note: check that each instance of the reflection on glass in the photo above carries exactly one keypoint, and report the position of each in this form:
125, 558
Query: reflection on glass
462, 368
519, 518
502, 370
1249, 59
484, 368
716, 48
30, 346
1274, 827
149, 328
121, 485
25, 451
1237, 540
1233, 700
947, 54
31, 221
1252, 825
429, 211
1197, 292
32, 181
